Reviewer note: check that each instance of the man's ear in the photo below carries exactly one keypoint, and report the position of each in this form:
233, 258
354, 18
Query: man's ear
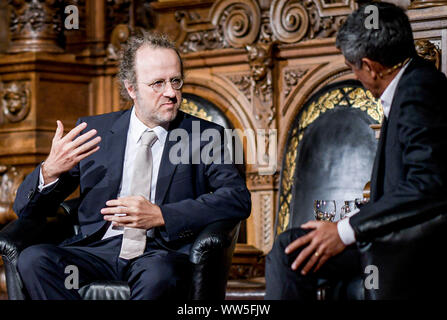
374, 68
130, 89
369, 67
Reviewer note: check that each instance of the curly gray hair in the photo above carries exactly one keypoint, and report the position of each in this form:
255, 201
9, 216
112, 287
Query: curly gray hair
127, 59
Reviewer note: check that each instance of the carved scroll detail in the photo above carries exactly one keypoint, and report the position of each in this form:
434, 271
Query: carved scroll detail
231, 24
289, 20
240, 21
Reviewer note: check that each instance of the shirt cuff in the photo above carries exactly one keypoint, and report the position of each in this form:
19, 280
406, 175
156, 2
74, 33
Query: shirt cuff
345, 232
350, 214
41, 185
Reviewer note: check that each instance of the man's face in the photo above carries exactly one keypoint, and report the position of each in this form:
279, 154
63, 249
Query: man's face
364, 75
151, 65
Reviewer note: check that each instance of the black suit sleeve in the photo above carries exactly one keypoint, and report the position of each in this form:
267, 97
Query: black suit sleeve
227, 197
30, 202
420, 191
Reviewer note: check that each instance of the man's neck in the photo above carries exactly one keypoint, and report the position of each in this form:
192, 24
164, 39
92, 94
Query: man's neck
385, 81
387, 75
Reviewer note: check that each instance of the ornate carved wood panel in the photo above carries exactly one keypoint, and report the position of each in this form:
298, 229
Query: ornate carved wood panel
258, 61
272, 56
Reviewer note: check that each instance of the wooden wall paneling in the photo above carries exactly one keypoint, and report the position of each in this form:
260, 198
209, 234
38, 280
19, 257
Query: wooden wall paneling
228, 48
58, 89
105, 91
257, 60
4, 22
430, 23
190, 16
219, 85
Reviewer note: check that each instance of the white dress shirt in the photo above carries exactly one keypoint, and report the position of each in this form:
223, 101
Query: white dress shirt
344, 229
134, 133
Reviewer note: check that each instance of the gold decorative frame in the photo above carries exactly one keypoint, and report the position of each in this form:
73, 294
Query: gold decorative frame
193, 109
350, 96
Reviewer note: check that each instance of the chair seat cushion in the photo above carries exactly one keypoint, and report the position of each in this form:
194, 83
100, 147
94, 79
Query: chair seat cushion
105, 290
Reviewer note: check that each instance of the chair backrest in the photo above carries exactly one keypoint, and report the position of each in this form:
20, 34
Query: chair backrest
329, 152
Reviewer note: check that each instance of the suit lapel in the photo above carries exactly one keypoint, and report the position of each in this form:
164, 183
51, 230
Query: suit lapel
377, 173
165, 173
116, 147
167, 168
377, 178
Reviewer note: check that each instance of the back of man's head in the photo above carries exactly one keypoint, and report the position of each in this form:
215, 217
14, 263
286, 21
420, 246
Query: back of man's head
387, 40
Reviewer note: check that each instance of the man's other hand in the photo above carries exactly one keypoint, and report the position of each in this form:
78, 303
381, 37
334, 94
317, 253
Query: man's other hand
134, 212
322, 243
68, 151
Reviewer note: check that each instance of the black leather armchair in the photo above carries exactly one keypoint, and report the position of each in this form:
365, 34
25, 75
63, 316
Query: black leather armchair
409, 261
210, 255
329, 155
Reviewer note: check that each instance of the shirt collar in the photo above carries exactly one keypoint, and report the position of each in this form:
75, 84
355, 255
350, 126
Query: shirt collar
136, 129
387, 96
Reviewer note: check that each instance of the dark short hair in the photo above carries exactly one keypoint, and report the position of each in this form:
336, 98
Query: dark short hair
392, 42
127, 58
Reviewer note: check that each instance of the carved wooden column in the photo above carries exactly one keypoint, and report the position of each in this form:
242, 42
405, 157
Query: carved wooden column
263, 195
36, 89
39, 82
35, 25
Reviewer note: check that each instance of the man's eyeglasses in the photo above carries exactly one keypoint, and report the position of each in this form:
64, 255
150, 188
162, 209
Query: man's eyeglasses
159, 85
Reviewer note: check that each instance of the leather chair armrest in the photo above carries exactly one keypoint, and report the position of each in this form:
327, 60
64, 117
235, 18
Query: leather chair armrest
70, 207
24, 232
211, 256
18, 235
408, 261
15, 237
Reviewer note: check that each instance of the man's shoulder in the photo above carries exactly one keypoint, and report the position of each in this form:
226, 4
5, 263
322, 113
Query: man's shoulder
189, 121
105, 117
421, 72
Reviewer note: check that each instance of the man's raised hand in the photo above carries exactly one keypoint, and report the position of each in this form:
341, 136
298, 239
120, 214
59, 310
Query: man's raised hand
67, 151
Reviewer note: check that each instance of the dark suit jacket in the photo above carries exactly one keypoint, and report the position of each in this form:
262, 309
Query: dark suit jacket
409, 179
190, 195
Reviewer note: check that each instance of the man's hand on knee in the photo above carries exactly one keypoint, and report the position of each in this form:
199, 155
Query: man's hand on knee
321, 244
